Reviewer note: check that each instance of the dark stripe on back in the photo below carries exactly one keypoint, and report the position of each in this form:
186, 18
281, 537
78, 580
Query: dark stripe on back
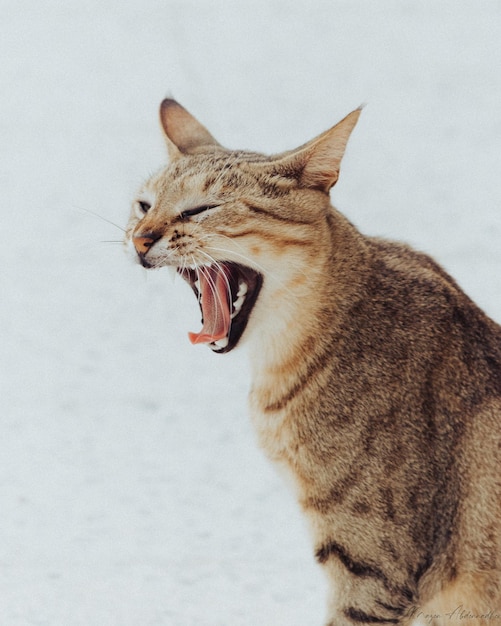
359, 616
398, 610
362, 570
356, 568
318, 364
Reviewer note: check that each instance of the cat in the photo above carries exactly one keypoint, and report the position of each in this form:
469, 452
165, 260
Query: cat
376, 382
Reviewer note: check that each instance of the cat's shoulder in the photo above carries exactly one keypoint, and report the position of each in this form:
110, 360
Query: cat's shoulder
403, 279
404, 266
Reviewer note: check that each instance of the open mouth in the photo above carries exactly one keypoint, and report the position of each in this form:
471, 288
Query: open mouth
226, 293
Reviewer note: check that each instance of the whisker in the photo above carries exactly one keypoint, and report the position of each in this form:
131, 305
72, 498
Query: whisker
252, 261
105, 219
212, 284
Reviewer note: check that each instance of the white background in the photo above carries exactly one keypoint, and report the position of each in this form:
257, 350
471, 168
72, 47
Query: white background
132, 491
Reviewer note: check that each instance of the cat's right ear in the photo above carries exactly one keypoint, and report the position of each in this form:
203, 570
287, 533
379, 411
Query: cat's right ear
182, 132
316, 164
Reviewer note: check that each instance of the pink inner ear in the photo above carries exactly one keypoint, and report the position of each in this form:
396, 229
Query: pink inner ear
215, 301
321, 170
182, 129
320, 159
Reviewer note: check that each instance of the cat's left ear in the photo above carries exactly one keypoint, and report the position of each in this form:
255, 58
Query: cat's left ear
182, 132
316, 164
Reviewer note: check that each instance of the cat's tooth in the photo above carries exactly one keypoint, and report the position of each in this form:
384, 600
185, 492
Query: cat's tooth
197, 285
237, 305
242, 289
222, 343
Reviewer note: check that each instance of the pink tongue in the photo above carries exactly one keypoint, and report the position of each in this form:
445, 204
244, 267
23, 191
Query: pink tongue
215, 305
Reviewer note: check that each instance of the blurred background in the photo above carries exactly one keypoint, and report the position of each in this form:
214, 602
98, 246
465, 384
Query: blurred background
132, 490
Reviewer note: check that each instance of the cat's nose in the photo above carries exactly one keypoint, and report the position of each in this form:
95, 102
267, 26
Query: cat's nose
143, 242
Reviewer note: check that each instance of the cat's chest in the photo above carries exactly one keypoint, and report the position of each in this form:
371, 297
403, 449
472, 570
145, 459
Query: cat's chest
272, 429
277, 432
292, 419
277, 442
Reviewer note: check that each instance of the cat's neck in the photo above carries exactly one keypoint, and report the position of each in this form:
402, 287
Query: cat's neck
296, 326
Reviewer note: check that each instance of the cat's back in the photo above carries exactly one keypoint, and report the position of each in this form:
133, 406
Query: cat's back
422, 350
414, 395
411, 314
410, 291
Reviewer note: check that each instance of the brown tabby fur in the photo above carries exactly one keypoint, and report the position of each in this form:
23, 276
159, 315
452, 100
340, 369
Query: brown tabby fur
376, 380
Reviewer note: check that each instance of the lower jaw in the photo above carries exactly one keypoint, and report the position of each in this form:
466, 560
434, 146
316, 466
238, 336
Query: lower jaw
228, 343
221, 346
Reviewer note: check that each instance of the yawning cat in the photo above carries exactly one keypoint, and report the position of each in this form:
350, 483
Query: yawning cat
376, 380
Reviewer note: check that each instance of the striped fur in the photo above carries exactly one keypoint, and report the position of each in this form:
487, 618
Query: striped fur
376, 380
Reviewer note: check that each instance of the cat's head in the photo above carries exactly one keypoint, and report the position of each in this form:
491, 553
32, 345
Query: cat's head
243, 229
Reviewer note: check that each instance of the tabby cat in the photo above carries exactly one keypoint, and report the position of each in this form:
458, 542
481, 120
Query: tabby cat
376, 380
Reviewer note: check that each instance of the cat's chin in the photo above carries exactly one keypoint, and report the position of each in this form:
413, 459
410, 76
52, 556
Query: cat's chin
226, 292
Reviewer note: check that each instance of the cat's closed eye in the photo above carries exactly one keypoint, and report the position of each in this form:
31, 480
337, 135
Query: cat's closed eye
195, 211
144, 206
